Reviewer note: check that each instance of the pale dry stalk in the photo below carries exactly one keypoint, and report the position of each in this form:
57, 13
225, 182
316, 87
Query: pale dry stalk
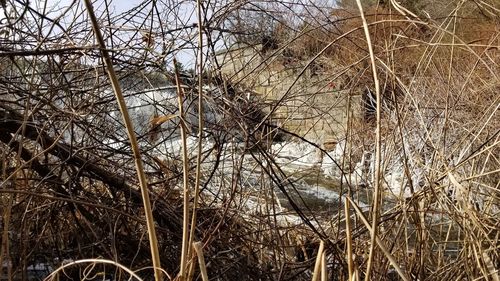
153, 242
376, 184
185, 170
317, 265
198, 247
200, 131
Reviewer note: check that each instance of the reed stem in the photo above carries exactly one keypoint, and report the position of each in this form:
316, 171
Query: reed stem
153, 242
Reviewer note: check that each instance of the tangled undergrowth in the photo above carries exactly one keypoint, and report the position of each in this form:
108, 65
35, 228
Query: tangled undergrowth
69, 189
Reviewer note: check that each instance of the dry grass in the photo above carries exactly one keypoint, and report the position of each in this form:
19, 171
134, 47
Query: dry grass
441, 89
439, 81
